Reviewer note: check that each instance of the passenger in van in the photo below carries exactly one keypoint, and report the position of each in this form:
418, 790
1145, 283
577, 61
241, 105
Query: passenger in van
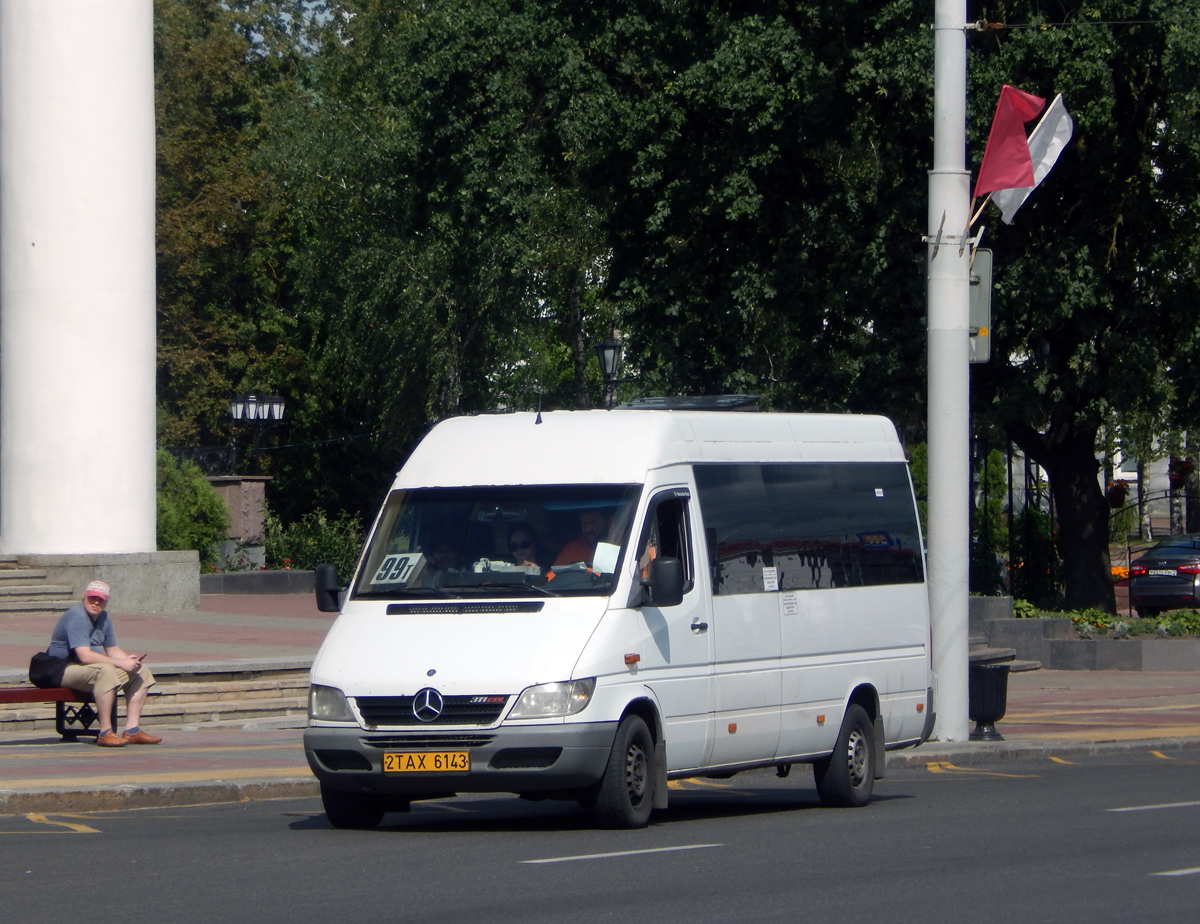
593, 526
523, 546
442, 555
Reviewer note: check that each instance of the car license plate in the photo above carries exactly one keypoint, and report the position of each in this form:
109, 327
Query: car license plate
426, 761
1163, 572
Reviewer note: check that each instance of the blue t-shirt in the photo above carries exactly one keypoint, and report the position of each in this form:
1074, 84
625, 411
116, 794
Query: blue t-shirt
75, 629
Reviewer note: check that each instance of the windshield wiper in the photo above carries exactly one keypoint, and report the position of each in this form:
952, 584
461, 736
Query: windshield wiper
511, 586
401, 592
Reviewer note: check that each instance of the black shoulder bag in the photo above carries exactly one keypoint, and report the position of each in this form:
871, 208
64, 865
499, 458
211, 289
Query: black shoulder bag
45, 670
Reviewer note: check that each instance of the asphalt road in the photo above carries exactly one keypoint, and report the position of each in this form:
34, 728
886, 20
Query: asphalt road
1103, 839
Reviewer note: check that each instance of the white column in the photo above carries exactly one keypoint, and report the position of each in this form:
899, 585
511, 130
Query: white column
77, 296
949, 364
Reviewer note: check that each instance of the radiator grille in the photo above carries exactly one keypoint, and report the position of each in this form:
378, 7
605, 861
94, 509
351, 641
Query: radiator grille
456, 710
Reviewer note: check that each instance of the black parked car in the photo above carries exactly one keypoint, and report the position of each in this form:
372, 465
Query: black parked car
1166, 577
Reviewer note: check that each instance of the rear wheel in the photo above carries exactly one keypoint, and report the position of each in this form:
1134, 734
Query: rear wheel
626, 792
847, 776
351, 809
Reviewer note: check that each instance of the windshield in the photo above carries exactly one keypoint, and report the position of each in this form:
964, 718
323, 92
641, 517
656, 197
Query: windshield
528, 540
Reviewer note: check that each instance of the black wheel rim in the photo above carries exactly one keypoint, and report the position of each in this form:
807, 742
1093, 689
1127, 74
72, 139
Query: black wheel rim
856, 757
635, 772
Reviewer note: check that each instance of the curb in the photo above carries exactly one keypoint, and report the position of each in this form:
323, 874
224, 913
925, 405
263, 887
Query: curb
986, 752
165, 795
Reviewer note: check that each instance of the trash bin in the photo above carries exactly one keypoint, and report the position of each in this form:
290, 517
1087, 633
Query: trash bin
987, 699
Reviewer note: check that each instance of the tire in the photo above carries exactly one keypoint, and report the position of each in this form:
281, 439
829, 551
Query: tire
352, 810
846, 777
626, 793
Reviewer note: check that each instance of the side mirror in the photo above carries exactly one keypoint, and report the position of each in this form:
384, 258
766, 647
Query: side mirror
666, 582
328, 592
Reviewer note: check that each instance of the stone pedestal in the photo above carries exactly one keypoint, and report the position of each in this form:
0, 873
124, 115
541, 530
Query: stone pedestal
245, 498
141, 582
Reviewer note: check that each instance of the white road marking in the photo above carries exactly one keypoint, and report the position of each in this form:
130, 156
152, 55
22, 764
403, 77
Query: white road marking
1179, 872
1149, 808
622, 853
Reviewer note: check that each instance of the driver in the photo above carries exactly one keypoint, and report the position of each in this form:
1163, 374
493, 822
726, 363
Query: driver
593, 526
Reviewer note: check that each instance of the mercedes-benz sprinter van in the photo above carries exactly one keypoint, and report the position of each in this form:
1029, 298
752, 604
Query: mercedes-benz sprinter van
587, 604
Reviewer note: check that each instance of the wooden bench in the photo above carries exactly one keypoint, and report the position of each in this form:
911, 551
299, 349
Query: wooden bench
73, 712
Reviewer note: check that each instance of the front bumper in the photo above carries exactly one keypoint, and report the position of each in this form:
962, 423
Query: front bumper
520, 759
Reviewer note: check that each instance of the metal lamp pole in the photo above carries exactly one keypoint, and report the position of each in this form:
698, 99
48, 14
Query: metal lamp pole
948, 291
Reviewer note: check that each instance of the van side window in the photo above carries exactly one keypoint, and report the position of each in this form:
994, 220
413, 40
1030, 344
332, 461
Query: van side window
666, 534
819, 525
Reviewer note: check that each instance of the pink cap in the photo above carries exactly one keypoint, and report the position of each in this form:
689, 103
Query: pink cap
97, 589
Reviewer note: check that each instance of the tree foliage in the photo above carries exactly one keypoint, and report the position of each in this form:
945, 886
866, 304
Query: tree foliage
393, 211
1096, 283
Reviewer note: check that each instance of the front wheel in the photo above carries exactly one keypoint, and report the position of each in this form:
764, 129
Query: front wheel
351, 809
847, 776
626, 792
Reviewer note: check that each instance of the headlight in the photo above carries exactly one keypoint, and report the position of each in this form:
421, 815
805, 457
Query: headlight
554, 699
328, 704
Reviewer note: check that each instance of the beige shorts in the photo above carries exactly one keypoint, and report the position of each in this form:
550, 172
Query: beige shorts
98, 679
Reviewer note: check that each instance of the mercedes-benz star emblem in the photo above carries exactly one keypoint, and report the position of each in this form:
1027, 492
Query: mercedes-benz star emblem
427, 705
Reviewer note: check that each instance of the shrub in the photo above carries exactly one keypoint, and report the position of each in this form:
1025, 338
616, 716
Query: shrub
315, 539
191, 514
1175, 623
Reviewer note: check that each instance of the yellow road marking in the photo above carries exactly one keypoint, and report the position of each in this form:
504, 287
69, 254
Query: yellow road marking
944, 766
43, 820
713, 783
1162, 755
1059, 760
207, 776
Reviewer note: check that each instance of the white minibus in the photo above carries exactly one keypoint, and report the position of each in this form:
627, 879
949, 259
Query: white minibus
586, 604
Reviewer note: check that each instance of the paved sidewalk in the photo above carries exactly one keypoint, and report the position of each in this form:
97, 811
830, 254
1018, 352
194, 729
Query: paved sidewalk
226, 627
1050, 714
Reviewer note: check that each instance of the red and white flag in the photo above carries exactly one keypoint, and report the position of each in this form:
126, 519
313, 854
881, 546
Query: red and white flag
1006, 160
1046, 142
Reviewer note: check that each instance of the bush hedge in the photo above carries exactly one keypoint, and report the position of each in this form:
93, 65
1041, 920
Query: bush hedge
191, 514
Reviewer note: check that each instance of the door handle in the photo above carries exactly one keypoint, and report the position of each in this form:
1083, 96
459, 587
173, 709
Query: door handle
699, 626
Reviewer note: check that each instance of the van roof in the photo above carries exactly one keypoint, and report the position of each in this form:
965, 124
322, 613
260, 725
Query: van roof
620, 447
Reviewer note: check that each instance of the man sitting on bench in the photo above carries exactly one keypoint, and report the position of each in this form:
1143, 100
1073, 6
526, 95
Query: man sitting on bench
84, 634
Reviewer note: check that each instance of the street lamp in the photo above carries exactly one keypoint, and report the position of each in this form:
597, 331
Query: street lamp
609, 352
256, 410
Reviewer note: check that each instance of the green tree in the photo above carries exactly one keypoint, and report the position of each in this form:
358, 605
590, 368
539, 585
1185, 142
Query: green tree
225, 321
447, 261
1094, 306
